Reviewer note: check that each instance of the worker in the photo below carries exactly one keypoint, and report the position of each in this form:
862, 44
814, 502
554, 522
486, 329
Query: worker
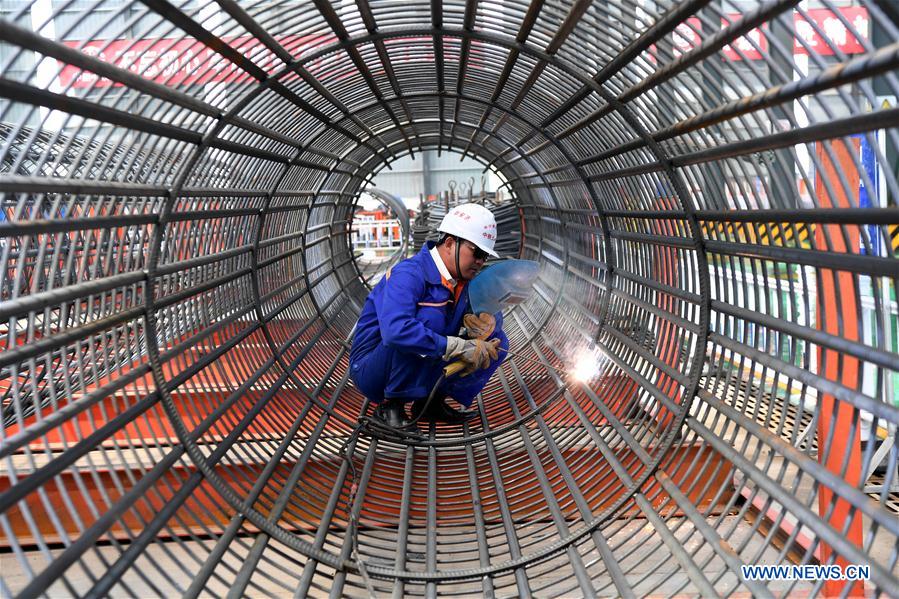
417, 319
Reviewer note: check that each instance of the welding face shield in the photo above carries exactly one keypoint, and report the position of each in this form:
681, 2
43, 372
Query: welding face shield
501, 285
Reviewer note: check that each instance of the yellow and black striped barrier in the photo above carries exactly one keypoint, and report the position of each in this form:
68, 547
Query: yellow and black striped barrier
779, 234
797, 235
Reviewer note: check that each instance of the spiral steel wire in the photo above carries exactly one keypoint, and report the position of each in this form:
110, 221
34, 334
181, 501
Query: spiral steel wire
371, 269
710, 189
506, 213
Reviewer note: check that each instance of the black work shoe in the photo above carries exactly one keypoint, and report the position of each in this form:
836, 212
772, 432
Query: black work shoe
392, 413
438, 411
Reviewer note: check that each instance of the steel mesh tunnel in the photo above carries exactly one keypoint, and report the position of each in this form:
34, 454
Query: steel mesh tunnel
709, 187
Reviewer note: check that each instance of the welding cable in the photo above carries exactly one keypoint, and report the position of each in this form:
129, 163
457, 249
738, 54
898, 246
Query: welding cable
381, 430
377, 426
369, 424
353, 521
366, 423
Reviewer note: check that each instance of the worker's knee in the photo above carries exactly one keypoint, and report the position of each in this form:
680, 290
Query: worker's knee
369, 379
388, 373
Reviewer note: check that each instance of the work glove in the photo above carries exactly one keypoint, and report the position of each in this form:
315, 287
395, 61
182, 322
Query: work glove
476, 353
480, 355
480, 326
455, 346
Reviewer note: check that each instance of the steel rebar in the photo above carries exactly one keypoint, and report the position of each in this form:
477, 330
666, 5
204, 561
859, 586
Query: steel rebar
710, 188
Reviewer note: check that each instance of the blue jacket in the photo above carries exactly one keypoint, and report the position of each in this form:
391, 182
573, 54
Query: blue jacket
410, 310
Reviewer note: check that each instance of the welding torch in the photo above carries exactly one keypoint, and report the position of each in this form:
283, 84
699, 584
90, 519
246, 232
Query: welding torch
459, 365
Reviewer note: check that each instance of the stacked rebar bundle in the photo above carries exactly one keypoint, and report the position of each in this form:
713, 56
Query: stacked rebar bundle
508, 224
428, 219
420, 228
506, 212
704, 378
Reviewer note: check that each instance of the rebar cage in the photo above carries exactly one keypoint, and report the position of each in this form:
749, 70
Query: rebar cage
710, 188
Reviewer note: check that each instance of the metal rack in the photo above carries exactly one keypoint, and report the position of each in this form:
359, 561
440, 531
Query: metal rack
504, 209
179, 290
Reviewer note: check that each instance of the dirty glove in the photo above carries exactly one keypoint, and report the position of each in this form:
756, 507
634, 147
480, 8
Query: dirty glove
476, 353
480, 355
455, 346
480, 326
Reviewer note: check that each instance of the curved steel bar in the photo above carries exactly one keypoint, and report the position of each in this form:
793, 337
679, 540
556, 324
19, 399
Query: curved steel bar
705, 377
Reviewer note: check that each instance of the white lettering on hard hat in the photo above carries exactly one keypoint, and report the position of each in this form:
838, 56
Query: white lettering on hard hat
463, 221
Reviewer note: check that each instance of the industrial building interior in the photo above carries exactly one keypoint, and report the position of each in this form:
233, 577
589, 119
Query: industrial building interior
706, 373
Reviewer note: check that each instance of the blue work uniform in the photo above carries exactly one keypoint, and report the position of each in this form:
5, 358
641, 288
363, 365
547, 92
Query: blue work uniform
400, 339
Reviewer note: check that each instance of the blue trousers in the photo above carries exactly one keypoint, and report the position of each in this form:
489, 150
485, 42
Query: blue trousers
386, 373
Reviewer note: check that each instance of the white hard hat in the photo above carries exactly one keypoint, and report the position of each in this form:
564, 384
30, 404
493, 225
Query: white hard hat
473, 223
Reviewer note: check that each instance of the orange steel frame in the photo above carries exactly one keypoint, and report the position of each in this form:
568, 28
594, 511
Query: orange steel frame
838, 422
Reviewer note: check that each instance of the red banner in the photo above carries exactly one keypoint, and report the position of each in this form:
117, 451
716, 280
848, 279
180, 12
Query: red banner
687, 36
181, 62
752, 46
836, 34
188, 62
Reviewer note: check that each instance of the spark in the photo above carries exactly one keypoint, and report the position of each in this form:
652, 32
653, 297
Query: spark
585, 367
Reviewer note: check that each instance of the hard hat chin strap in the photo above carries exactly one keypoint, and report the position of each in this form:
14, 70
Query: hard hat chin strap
458, 270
